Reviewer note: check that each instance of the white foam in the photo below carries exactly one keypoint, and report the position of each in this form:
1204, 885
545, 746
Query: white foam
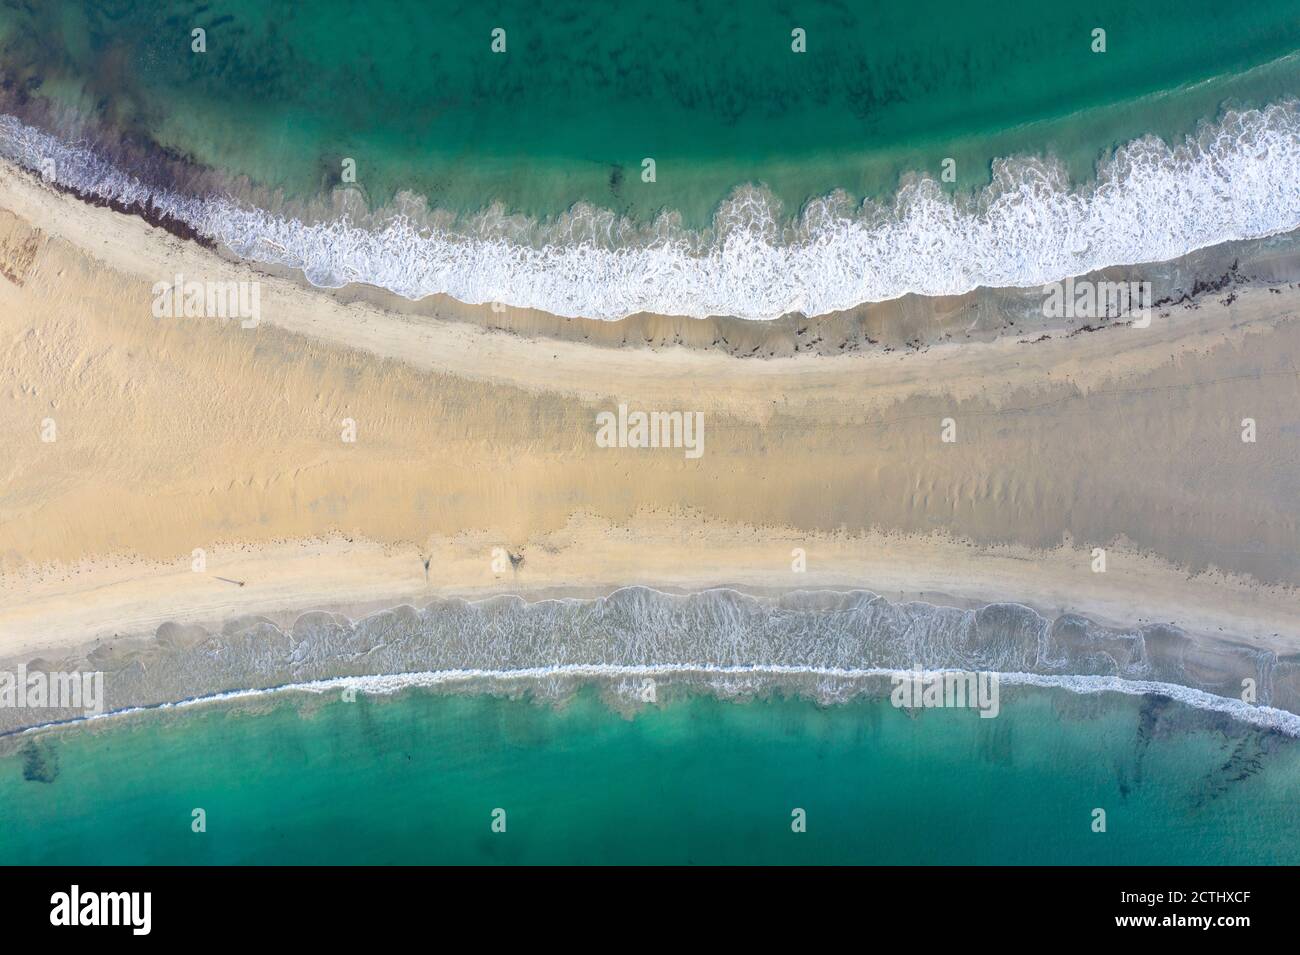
821, 643
759, 675
1150, 202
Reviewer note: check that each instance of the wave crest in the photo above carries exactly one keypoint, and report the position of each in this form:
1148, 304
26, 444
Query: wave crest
1151, 202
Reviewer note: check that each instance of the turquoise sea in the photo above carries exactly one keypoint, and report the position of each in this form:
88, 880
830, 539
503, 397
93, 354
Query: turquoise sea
783, 181
584, 92
416, 778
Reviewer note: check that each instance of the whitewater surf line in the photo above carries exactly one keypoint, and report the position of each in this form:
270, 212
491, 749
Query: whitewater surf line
822, 634
1262, 717
1150, 202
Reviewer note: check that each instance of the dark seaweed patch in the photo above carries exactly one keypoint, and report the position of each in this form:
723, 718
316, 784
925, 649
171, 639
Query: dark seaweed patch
1245, 758
1153, 708
40, 764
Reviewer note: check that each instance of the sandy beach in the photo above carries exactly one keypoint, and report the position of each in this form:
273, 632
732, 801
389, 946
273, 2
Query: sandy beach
475, 469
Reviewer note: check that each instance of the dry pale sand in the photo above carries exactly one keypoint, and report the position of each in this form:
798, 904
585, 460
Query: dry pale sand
182, 434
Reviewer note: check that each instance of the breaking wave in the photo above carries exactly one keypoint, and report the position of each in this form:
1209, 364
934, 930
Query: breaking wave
829, 645
1150, 202
721, 680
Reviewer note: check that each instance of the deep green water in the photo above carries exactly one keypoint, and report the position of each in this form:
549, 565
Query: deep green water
411, 90
415, 778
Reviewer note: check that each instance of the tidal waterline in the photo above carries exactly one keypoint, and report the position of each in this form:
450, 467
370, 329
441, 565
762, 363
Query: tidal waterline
416, 777
282, 92
674, 159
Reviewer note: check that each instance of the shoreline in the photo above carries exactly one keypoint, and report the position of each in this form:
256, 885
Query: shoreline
746, 264
439, 334
1154, 659
1283, 722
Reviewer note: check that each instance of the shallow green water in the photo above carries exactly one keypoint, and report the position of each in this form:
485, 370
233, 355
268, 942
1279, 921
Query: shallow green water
713, 92
415, 778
